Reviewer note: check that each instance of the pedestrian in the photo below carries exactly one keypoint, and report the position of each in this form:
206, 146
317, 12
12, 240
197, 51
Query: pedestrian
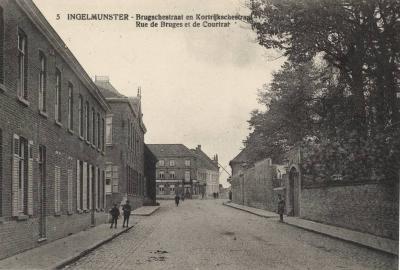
127, 212
183, 197
114, 212
230, 195
177, 199
281, 207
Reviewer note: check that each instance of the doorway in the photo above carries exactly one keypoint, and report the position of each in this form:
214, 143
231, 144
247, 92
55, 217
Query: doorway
42, 191
294, 192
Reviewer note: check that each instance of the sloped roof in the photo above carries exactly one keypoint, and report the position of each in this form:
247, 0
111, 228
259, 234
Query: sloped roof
242, 157
107, 89
170, 150
203, 161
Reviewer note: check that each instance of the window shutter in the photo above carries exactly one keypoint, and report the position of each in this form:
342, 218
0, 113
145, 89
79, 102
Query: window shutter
30, 179
78, 185
84, 186
95, 193
69, 179
15, 175
90, 187
57, 202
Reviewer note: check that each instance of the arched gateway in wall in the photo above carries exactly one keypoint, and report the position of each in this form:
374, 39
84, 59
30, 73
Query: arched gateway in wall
294, 192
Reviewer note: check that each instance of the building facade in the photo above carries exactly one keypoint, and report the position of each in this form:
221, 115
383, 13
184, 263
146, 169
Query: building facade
52, 143
207, 173
176, 171
124, 143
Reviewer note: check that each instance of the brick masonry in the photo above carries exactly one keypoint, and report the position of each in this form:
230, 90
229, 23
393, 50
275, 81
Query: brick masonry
371, 208
63, 147
253, 186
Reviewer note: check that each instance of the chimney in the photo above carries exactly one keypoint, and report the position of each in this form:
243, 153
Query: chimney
103, 79
198, 147
216, 157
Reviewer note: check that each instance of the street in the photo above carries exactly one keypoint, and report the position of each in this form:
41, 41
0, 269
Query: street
204, 234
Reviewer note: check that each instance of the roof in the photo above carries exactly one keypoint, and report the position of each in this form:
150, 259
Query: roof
242, 157
203, 161
170, 150
107, 89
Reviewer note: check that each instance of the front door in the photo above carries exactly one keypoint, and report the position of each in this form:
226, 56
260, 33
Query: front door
42, 191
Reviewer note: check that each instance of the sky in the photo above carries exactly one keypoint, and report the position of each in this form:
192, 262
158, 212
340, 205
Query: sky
199, 85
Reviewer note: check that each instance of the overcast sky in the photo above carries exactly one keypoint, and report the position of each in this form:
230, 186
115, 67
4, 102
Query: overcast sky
198, 85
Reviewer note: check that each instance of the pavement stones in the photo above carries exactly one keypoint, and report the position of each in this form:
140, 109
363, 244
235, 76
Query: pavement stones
364, 239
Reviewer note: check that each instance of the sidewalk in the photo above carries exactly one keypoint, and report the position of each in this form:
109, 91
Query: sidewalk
63, 251
364, 239
145, 210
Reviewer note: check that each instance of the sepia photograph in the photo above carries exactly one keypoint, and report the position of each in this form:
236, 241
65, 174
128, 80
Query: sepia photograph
196, 135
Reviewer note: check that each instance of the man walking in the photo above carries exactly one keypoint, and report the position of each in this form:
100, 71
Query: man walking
114, 212
281, 207
177, 199
127, 212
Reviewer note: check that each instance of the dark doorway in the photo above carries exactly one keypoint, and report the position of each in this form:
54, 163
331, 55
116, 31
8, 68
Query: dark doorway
42, 192
294, 192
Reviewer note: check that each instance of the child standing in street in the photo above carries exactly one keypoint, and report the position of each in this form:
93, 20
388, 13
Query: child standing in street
281, 207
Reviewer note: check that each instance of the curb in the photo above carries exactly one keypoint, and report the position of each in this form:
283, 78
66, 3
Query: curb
248, 211
322, 233
91, 248
146, 215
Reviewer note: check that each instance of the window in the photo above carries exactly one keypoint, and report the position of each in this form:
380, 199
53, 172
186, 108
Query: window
187, 162
22, 177
70, 107
1, 48
79, 184
114, 178
103, 135
98, 131
187, 176
87, 117
57, 193
94, 133
161, 175
172, 188
1, 167
172, 163
172, 174
42, 82
161, 162
22, 66
109, 130
80, 116
108, 175
161, 189
57, 104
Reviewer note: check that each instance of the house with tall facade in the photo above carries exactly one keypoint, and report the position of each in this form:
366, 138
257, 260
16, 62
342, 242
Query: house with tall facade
176, 170
52, 143
207, 173
124, 142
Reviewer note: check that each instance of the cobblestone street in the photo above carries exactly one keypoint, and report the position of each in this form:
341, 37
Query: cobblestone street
204, 234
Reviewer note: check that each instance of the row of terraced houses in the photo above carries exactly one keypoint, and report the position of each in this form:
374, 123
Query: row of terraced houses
69, 146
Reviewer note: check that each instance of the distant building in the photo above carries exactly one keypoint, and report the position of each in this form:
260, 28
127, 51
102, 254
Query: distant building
240, 162
124, 146
207, 173
176, 171
150, 161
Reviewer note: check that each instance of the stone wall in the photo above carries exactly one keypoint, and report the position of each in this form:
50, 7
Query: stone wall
254, 186
371, 208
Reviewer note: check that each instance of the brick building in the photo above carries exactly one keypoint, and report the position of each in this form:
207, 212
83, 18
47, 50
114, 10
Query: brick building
52, 122
207, 173
176, 171
124, 146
